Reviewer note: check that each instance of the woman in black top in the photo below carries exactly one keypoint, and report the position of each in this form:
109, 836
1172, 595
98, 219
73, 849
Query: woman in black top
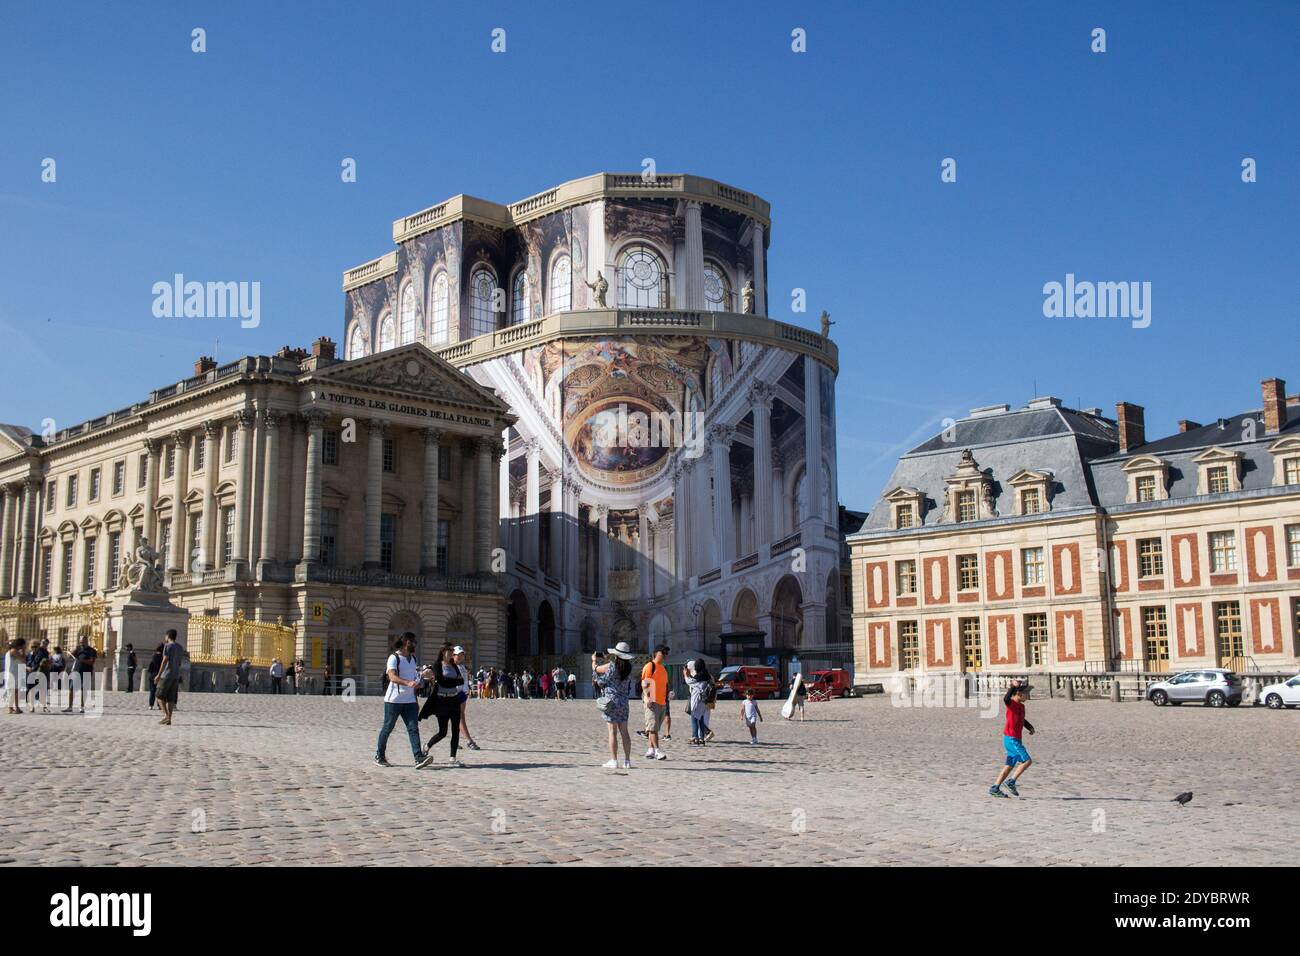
444, 703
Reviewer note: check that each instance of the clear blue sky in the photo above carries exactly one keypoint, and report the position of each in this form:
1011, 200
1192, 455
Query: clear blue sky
1117, 166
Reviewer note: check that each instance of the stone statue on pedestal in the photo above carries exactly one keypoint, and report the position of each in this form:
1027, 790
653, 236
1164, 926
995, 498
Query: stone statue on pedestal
826, 324
144, 573
598, 290
747, 299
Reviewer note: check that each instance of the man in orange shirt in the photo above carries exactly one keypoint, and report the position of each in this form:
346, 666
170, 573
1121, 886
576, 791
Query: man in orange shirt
654, 694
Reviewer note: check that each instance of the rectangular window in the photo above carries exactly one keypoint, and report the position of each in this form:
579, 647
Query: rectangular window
1291, 471
387, 540
909, 645
1227, 632
1032, 569
329, 537
51, 493
1030, 502
906, 577
1146, 488
114, 556
196, 546
390, 455
444, 537
968, 571
65, 579
972, 652
88, 569
329, 447
1151, 558
47, 569
902, 516
165, 541
1155, 632
1217, 479
71, 499
1293, 545
200, 453
142, 473
228, 436
1223, 551
94, 484
1036, 636
227, 535
966, 506
169, 461
444, 463
119, 477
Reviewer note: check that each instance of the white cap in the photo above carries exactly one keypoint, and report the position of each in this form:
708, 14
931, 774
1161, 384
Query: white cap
458, 649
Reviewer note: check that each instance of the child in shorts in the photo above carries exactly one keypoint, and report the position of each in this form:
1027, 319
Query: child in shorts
1018, 759
751, 715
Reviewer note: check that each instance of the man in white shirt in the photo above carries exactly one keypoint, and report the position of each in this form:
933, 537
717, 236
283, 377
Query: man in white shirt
404, 680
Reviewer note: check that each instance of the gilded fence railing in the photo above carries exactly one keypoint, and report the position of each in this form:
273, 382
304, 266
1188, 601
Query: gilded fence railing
222, 640
63, 624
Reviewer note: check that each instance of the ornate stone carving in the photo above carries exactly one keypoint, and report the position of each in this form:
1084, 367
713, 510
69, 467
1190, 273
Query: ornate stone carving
599, 289
144, 574
722, 435
761, 393
826, 324
747, 298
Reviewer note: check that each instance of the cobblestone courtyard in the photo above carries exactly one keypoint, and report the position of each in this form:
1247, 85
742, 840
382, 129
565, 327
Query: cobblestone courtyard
290, 780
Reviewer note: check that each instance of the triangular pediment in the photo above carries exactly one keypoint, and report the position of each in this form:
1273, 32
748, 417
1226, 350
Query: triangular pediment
413, 370
12, 441
1026, 476
1216, 454
903, 493
1144, 463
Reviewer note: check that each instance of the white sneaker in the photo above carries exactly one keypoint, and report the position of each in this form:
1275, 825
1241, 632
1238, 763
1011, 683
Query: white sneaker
660, 755
610, 765
627, 765
454, 762
650, 754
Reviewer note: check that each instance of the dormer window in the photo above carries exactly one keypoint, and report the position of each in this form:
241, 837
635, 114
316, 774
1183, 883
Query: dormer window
1286, 461
905, 507
1148, 478
969, 496
1146, 487
1220, 471
1031, 491
966, 509
904, 516
1030, 502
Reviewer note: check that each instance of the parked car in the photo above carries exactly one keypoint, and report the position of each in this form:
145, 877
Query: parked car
1284, 694
1214, 687
733, 681
834, 682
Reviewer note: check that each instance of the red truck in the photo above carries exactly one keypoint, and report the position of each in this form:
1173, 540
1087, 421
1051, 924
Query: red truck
833, 683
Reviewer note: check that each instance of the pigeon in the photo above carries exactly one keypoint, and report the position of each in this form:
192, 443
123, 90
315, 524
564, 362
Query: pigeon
1183, 799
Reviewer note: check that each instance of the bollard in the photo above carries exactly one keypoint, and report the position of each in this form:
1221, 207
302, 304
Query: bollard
1069, 688
1114, 691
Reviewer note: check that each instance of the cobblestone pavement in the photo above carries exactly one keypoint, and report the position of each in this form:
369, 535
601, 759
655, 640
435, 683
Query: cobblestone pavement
290, 780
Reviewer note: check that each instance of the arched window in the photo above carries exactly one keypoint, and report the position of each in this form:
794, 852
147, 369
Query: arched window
356, 343
481, 286
717, 291
561, 284
715, 380
520, 307
438, 310
387, 338
406, 325
642, 279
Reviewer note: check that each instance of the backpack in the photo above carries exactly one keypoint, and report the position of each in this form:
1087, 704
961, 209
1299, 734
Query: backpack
384, 681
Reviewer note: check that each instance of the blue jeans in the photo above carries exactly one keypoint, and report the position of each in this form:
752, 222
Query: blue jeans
410, 714
699, 727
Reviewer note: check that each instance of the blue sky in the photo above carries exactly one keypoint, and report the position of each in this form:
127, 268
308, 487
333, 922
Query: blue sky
1122, 166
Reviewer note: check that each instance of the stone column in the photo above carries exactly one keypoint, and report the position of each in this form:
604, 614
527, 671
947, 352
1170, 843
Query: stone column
746, 535
374, 490
720, 439
680, 570
9, 501
268, 553
645, 554
602, 563
503, 496
244, 490
26, 587
702, 513
812, 439
694, 248
153, 449
596, 253
555, 518
311, 490
483, 492
297, 479
180, 487
429, 514
778, 497
760, 269
760, 398
211, 469
572, 495
532, 519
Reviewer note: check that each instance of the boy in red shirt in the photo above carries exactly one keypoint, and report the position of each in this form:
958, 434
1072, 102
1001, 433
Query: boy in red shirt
1018, 759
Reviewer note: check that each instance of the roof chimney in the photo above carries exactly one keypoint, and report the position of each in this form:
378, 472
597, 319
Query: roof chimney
323, 347
1185, 426
1274, 405
1132, 425
204, 365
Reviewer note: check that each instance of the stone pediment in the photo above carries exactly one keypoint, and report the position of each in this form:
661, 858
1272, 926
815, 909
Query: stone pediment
416, 371
12, 441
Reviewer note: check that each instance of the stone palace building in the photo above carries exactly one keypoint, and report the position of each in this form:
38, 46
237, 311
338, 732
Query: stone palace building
555, 424
1055, 539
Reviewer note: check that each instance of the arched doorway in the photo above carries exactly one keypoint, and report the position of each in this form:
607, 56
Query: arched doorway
463, 630
518, 624
344, 645
787, 618
659, 628
624, 631
744, 612
710, 624
546, 628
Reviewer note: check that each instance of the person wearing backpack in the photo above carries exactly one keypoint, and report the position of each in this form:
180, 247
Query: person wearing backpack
401, 680
700, 683
654, 697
